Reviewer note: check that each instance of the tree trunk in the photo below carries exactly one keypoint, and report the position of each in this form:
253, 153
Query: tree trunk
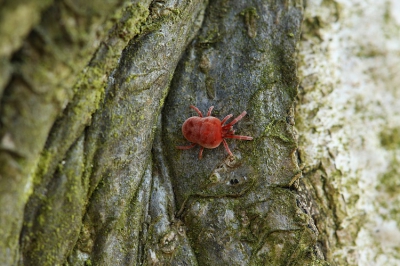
348, 119
93, 97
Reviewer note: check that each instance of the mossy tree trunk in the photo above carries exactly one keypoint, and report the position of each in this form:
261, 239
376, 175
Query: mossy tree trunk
93, 96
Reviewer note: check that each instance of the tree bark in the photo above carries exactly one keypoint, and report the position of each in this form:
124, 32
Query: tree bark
93, 97
348, 118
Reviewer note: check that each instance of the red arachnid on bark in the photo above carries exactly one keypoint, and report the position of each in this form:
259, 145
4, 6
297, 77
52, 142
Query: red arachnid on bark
209, 132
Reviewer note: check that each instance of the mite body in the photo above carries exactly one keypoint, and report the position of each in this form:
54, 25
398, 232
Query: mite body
209, 132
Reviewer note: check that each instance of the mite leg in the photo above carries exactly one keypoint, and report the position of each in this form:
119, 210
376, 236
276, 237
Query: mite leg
238, 137
201, 153
234, 121
209, 110
186, 147
197, 110
226, 118
227, 148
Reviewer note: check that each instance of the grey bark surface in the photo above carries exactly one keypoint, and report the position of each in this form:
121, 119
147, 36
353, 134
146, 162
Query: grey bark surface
238, 210
92, 104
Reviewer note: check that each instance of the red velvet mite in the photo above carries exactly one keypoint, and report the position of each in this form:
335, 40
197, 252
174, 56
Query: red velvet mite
209, 131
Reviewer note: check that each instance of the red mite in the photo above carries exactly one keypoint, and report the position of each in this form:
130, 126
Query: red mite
209, 131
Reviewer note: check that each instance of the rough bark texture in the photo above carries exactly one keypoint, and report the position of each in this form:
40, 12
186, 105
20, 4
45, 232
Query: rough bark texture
93, 96
348, 119
241, 211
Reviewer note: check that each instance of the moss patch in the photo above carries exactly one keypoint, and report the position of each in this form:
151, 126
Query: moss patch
390, 139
